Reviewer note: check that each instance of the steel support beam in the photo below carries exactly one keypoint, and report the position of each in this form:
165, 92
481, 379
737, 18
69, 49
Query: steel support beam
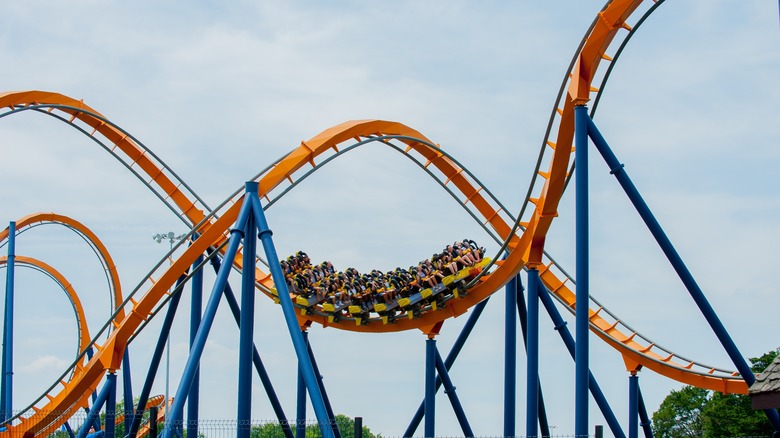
94, 413
299, 344
430, 387
449, 389
449, 361
193, 361
246, 325
196, 309
568, 341
510, 357
6, 393
617, 169
633, 405
532, 355
258, 362
154, 364
582, 292
127, 390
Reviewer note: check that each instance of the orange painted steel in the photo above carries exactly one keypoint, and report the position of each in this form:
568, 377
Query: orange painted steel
92, 238
81, 319
524, 249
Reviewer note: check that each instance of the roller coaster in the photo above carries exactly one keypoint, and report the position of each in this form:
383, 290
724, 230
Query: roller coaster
223, 237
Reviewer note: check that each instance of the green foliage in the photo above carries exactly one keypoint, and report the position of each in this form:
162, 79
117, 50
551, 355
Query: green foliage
731, 415
759, 364
346, 427
695, 412
679, 415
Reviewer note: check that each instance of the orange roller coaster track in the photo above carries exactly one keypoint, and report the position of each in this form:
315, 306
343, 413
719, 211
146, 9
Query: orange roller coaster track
523, 237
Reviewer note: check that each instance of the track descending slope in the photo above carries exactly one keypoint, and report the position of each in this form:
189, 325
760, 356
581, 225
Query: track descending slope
523, 238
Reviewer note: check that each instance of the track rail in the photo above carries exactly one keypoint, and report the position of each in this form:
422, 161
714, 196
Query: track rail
524, 239
94, 242
82, 329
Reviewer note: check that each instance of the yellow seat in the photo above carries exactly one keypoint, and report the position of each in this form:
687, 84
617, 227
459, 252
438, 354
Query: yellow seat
380, 307
403, 302
448, 280
426, 293
355, 310
302, 301
328, 307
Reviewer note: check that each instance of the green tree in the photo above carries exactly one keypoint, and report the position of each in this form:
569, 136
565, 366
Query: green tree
695, 412
679, 415
345, 424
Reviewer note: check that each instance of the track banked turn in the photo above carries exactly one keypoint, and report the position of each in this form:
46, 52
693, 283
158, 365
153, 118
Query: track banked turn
524, 244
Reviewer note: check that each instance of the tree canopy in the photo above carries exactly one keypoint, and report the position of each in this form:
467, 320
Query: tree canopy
696, 412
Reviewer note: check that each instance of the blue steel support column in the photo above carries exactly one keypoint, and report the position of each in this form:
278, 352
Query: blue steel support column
568, 340
97, 405
430, 387
633, 405
196, 308
246, 342
617, 169
300, 413
154, 364
522, 312
510, 357
259, 367
449, 389
193, 361
449, 361
289, 316
532, 356
6, 398
111, 406
127, 390
644, 420
581, 356
328, 407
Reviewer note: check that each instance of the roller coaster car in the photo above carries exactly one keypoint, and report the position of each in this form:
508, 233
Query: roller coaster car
360, 313
387, 311
309, 301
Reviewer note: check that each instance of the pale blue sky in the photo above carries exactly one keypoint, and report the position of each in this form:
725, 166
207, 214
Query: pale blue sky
220, 89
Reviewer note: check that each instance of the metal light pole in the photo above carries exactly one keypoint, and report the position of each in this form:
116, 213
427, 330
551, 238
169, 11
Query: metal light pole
171, 237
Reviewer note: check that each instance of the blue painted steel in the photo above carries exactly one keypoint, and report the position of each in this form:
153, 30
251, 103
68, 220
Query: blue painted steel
633, 406
449, 389
6, 394
328, 407
289, 316
300, 419
532, 355
523, 313
510, 357
69, 430
154, 364
259, 367
644, 420
568, 340
582, 270
94, 412
246, 325
449, 361
193, 361
617, 169
430, 387
111, 406
127, 389
196, 309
